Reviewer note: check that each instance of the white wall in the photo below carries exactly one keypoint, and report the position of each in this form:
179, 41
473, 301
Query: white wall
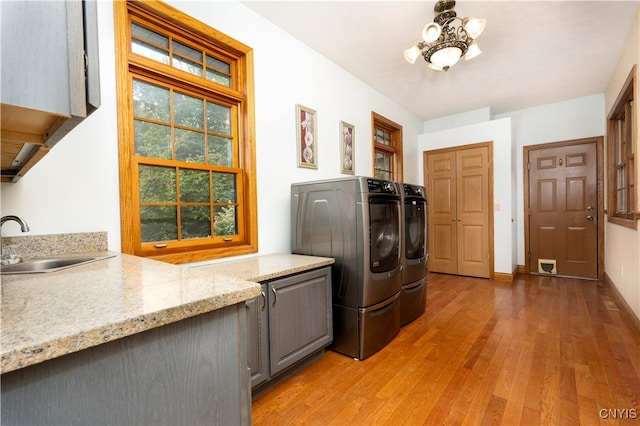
75, 187
498, 132
622, 245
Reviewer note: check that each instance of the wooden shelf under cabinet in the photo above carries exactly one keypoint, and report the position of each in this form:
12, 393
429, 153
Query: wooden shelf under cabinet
23, 133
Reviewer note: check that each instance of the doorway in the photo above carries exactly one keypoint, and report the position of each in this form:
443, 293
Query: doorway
564, 208
459, 190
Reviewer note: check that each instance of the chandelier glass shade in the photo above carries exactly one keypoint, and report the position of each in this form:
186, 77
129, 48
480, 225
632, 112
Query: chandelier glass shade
447, 38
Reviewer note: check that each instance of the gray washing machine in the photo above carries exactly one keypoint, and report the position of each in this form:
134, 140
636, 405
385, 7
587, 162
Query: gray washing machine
415, 252
357, 221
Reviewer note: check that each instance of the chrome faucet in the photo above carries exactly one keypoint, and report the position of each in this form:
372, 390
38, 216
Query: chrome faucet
23, 226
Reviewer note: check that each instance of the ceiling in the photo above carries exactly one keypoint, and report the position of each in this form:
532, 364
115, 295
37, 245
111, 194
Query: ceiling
534, 52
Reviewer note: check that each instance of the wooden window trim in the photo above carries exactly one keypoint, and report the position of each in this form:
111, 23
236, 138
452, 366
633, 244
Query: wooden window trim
619, 109
243, 91
395, 150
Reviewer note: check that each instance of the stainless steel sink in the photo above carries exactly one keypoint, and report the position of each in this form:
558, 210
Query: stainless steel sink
48, 264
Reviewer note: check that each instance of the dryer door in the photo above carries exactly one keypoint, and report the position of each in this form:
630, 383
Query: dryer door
415, 228
384, 231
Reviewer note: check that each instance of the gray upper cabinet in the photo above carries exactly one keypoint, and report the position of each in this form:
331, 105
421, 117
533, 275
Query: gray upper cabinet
49, 76
291, 322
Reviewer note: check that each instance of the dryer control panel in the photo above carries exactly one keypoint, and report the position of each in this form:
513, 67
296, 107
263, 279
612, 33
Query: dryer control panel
382, 186
413, 190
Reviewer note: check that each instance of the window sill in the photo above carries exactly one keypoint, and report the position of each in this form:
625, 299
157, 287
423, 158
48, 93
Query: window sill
206, 254
627, 223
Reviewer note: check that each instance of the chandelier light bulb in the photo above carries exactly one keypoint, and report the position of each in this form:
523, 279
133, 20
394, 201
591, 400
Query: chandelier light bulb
474, 27
431, 32
411, 54
472, 51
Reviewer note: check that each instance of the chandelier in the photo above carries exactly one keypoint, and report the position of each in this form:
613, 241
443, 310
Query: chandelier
447, 38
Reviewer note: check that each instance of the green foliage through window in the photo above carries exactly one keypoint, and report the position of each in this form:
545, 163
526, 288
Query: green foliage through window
170, 125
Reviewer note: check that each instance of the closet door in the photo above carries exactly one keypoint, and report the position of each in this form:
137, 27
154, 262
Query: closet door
459, 211
472, 219
441, 187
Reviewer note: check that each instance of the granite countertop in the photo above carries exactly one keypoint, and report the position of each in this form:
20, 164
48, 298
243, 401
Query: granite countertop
266, 267
48, 315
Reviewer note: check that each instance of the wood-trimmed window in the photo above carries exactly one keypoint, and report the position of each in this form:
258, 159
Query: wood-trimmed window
186, 136
621, 147
387, 148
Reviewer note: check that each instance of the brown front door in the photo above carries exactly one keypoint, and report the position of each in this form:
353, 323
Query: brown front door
563, 210
459, 191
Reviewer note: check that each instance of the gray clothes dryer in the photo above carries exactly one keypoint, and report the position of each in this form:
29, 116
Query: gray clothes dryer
415, 252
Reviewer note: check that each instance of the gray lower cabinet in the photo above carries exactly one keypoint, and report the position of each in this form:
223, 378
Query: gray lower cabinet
258, 335
291, 321
191, 372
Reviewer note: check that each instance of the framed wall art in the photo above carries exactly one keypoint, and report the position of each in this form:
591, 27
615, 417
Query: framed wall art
307, 140
347, 139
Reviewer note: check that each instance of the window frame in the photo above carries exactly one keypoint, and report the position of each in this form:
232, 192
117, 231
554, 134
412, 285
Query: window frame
394, 150
157, 15
622, 144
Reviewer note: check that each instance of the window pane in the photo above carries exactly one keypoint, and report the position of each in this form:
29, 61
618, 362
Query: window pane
195, 222
149, 44
218, 64
194, 186
186, 51
188, 111
187, 59
224, 188
158, 223
189, 146
220, 151
218, 77
151, 101
157, 184
382, 137
151, 36
225, 221
149, 51
383, 166
219, 118
187, 66
152, 140
218, 71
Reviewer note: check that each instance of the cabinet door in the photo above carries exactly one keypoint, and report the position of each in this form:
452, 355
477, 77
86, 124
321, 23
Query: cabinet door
300, 317
258, 345
35, 55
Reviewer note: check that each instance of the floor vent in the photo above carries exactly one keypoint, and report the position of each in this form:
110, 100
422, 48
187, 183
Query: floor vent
610, 304
547, 266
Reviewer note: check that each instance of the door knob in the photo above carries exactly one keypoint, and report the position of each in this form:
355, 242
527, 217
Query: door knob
590, 217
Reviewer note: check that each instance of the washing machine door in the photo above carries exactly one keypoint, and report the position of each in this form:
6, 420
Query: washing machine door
415, 228
384, 229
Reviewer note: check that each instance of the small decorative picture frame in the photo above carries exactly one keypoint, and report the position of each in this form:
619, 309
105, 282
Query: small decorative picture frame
347, 138
307, 140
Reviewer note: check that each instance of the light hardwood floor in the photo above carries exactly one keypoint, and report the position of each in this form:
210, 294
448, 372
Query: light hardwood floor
542, 350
